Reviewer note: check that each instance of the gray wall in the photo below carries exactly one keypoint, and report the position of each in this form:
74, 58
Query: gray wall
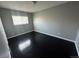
12, 30
4, 49
61, 21
77, 42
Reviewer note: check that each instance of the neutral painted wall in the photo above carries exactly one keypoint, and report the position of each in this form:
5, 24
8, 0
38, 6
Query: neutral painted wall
12, 30
4, 49
77, 42
61, 21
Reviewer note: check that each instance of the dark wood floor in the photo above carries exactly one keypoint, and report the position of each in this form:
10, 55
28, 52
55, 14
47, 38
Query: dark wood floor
37, 45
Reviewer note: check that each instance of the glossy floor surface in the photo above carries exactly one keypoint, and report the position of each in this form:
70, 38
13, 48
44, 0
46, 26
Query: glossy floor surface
37, 45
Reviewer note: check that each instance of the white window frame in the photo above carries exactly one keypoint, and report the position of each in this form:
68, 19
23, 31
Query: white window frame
20, 20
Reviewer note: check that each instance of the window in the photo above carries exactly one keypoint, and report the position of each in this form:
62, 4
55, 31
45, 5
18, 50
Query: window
20, 20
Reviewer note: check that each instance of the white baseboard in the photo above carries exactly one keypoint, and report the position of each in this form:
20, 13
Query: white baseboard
44, 33
20, 34
63, 39
57, 36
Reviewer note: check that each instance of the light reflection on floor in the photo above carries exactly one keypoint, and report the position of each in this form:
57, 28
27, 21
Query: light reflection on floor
24, 45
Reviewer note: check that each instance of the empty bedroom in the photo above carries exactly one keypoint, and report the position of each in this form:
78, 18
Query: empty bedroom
39, 29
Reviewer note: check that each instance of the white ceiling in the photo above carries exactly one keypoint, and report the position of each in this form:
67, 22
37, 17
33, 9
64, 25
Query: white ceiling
28, 6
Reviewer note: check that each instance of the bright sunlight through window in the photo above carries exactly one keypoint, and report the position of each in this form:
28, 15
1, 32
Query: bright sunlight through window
20, 20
